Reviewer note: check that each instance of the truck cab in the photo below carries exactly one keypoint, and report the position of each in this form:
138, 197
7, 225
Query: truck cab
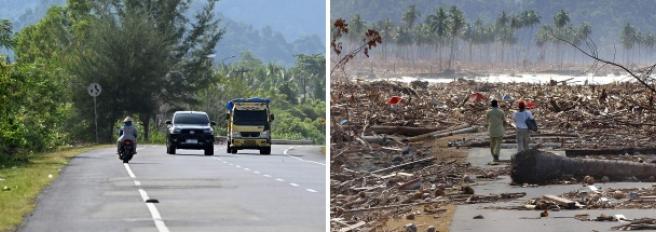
249, 125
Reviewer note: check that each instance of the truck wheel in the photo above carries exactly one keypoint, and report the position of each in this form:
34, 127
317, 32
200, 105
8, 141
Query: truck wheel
228, 150
233, 150
170, 149
265, 151
209, 150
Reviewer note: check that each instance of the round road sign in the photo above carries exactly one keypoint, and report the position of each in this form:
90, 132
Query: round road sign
94, 89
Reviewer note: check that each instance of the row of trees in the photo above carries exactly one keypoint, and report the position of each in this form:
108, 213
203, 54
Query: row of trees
511, 37
152, 57
297, 93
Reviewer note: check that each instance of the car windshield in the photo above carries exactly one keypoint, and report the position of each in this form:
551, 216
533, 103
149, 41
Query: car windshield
196, 119
250, 117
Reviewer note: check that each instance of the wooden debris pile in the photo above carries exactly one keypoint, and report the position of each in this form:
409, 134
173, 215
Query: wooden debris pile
576, 116
382, 164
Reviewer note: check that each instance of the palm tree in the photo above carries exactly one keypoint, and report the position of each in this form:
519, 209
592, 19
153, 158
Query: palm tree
410, 16
529, 19
387, 31
439, 27
561, 19
405, 36
628, 38
456, 25
356, 27
504, 32
582, 34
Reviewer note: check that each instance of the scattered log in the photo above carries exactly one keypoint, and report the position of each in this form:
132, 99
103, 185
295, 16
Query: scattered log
353, 227
535, 166
402, 130
430, 159
390, 206
381, 139
611, 151
441, 134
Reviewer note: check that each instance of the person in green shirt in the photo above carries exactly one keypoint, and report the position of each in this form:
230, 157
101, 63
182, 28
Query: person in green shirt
495, 121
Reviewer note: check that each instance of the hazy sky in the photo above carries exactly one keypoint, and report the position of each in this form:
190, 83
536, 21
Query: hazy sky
293, 18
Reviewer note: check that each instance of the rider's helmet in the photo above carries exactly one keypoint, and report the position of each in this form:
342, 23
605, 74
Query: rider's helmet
127, 120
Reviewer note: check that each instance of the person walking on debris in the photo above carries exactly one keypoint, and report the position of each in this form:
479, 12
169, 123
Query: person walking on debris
520, 118
495, 122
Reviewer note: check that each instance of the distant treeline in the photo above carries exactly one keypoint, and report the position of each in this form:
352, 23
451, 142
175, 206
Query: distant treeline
524, 38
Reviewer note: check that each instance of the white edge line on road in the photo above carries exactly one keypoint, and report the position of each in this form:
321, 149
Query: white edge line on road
267, 175
311, 190
293, 184
280, 179
302, 160
157, 218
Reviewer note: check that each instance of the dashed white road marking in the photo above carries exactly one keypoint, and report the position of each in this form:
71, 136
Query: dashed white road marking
299, 159
157, 218
267, 175
127, 167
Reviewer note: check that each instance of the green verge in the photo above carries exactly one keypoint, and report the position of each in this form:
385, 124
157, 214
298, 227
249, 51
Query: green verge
22, 181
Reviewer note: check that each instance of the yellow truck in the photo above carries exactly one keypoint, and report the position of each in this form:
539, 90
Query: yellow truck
249, 125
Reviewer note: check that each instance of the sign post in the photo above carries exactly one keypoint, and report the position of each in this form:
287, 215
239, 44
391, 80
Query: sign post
94, 90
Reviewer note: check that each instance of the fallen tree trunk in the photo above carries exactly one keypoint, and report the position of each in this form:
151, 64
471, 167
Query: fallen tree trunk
535, 166
402, 130
610, 151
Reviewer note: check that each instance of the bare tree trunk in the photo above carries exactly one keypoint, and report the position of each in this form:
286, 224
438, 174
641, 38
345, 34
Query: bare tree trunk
534, 166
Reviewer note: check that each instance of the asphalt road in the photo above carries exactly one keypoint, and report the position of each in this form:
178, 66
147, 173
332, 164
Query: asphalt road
284, 191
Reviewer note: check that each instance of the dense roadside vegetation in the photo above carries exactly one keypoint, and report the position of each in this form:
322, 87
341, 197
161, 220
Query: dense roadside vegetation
151, 59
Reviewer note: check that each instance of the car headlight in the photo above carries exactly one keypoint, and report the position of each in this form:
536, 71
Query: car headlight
208, 131
175, 130
265, 133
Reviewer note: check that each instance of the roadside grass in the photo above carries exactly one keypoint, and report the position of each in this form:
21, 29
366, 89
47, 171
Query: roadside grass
21, 181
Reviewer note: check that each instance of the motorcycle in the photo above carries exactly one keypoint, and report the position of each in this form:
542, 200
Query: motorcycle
127, 151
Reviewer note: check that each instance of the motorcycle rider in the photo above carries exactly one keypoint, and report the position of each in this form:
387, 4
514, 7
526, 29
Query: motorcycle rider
127, 132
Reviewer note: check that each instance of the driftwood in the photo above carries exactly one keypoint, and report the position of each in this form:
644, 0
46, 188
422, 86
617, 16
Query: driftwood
535, 166
567, 203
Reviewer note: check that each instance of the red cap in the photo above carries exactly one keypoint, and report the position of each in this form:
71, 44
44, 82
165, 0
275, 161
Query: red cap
522, 104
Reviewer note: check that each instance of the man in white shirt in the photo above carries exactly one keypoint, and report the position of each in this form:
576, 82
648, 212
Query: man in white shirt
520, 118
